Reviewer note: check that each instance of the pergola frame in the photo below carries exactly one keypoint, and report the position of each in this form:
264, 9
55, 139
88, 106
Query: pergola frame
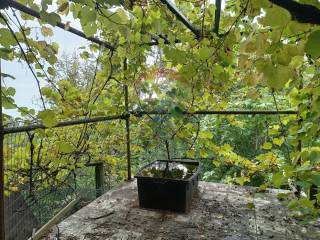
127, 114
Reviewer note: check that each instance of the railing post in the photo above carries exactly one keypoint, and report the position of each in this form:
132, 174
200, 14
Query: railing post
126, 97
99, 175
217, 17
126, 103
2, 222
299, 189
31, 137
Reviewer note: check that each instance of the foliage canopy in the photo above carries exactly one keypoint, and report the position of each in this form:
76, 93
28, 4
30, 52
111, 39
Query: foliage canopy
261, 58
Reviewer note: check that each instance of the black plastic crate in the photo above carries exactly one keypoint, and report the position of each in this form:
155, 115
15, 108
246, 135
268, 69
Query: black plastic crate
167, 192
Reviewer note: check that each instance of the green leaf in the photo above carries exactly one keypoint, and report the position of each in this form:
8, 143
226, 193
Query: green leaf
65, 147
46, 91
316, 179
137, 11
205, 53
267, 146
8, 103
10, 91
203, 153
6, 38
242, 180
46, 31
51, 18
276, 76
88, 15
205, 135
5, 53
278, 141
278, 179
45, 3
212, 9
312, 46
90, 29
51, 71
63, 7
288, 170
276, 17
48, 118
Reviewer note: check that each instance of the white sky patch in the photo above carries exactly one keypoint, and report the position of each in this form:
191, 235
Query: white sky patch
27, 94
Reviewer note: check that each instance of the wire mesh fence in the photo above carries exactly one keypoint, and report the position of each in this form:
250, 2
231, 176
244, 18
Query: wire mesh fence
46, 169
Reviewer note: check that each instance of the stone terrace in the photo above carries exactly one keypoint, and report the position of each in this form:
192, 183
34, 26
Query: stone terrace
219, 211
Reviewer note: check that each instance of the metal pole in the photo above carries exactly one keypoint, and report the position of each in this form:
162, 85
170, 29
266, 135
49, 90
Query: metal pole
63, 26
2, 222
140, 114
31, 137
217, 17
99, 175
126, 98
172, 7
219, 112
63, 124
299, 189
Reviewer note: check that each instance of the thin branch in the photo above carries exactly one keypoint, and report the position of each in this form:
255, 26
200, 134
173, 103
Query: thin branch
108, 79
35, 57
26, 59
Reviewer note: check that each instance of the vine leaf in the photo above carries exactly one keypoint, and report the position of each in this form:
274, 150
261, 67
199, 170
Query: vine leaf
64, 147
46, 31
267, 146
278, 179
51, 18
278, 141
312, 45
48, 118
276, 17
6, 38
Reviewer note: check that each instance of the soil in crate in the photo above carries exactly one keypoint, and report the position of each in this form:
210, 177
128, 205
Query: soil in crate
169, 170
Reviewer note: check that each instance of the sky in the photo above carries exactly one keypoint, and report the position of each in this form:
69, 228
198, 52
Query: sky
27, 94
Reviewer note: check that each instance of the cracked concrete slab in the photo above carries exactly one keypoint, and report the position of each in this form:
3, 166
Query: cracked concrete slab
218, 212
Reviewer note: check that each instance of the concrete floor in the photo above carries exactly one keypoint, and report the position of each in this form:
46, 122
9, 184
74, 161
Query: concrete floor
218, 211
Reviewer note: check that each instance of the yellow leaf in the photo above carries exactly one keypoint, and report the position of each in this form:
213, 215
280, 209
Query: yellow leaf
267, 146
278, 141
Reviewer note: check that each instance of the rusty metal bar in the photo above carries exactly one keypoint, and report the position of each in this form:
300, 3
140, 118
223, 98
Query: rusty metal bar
217, 17
172, 7
142, 113
2, 221
99, 177
63, 26
218, 112
63, 124
31, 137
126, 97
